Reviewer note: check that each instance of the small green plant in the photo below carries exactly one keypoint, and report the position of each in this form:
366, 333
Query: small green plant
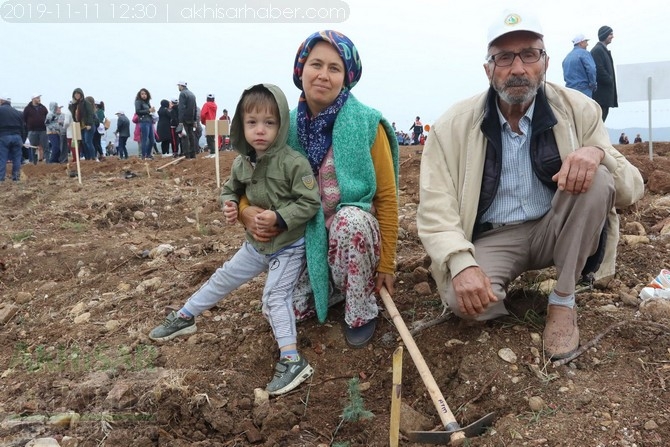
203, 230
535, 416
76, 227
22, 236
355, 411
612, 354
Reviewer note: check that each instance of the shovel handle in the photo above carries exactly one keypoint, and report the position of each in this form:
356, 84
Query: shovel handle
446, 416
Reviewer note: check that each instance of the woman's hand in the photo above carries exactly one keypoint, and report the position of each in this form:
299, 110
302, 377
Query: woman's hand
384, 279
248, 218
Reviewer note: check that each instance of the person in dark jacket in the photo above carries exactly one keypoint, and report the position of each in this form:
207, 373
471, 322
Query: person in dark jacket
12, 132
100, 130
123, 132
187, 120
34, 115
174, 123
605, 94
83, 113
145, 111
163, 127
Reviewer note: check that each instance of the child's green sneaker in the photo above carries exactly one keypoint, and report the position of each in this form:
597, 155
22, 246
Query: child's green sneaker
288, 375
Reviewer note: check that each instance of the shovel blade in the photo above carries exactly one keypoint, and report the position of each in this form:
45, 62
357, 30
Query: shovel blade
477, 428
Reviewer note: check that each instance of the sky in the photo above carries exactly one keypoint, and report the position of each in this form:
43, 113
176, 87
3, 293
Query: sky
419, 57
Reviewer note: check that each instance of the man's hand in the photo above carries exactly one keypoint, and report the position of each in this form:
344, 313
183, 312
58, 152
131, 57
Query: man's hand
473, 291
576, 173
230, 211
248, 218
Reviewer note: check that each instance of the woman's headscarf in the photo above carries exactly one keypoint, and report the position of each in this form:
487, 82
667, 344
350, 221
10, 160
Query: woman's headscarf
316, 133
344, 46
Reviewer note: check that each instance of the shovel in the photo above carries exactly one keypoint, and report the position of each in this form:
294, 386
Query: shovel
454, 434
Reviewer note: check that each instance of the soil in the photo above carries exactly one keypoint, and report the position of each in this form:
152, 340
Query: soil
87, 270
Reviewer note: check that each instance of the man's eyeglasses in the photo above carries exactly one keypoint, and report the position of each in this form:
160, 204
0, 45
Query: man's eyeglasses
527, 56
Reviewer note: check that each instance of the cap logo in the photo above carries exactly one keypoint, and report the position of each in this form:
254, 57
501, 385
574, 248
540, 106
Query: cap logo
512, 20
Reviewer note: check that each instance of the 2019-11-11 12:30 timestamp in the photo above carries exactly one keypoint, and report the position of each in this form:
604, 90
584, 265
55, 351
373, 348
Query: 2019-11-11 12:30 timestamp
83, 12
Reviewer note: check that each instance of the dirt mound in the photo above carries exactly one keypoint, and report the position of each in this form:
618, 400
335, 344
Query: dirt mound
86, 270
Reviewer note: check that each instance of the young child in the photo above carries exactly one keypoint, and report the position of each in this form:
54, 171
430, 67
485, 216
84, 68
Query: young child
280, 180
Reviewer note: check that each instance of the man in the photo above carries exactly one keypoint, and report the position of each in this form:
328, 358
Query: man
209, 113
11, 139
606, 94
187, 120
123, 132
34, 115
579, 69
521, 177
417, 130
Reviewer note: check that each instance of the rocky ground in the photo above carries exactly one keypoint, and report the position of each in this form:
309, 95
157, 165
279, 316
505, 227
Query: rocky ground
87, 269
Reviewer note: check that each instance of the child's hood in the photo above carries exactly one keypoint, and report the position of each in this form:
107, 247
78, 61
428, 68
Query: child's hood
237, 139
53, 106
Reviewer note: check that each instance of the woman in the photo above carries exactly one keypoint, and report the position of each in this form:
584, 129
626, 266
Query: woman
351, 243
83, 112
145, 112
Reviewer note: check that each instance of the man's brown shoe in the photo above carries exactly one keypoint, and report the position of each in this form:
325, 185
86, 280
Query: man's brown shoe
561, 334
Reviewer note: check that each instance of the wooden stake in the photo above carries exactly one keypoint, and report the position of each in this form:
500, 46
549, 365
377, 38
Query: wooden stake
396, 395
175, 161
216, 151
76, 135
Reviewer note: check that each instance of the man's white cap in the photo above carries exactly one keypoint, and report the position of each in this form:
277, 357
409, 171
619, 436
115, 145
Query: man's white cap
4, 98
120, 112
35, 95
513, 20
579, 38
182, 83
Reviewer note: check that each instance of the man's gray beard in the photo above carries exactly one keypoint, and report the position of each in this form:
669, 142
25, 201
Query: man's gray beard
517, 99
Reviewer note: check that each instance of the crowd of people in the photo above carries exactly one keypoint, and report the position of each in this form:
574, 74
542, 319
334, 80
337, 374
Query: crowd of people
46, 134
316, 189
416, 135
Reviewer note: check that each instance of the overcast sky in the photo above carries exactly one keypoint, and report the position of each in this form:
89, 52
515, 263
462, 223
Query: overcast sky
419, 57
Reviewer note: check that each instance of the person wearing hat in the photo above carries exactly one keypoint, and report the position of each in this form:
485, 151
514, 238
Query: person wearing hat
12, 134
208, 113
34, 115
351, 242
55, 123
123, 133
579, 69
187, 120
606, 93
521, 177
